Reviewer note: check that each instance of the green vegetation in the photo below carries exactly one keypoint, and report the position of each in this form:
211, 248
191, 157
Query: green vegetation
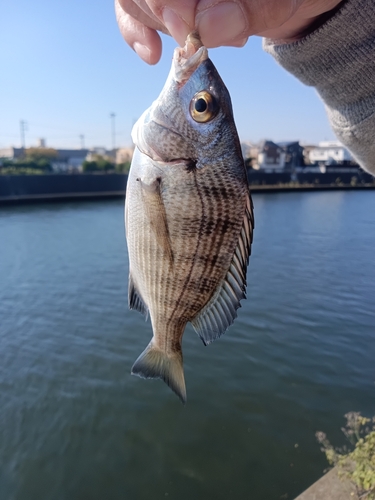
44, 155
35, 161
104, 164
39, 161
17, 170
357, 463
98, 164
123, 168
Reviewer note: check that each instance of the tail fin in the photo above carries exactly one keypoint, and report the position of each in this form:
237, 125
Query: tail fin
154, 363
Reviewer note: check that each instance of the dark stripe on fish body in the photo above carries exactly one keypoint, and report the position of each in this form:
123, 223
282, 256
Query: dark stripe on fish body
188, 277
206, 285
212, 226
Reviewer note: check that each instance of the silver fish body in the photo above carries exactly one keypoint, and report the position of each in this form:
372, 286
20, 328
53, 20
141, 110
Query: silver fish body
188, 214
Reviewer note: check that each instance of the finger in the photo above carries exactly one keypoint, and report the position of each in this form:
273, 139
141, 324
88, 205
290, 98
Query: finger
140, 11
143, 40
177, 16
231, 22
221, 23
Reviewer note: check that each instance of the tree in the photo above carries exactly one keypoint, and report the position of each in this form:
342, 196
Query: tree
98, 163
123, 167
38, 154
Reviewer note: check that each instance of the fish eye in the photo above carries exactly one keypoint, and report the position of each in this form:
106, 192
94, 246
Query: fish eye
203, 107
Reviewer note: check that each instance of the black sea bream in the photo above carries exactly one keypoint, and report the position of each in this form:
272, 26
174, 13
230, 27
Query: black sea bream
188, 214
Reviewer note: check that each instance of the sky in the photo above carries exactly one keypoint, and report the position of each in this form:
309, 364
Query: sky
64, 68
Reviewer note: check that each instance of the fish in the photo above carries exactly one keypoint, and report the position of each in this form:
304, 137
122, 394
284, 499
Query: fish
188, 214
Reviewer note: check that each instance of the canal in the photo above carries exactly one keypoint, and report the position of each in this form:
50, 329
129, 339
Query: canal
74, 424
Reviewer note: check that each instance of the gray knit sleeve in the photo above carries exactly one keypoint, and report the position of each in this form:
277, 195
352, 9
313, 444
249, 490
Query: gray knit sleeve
338, 59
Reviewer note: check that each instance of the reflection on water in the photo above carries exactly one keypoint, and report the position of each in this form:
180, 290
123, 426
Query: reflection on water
74, 423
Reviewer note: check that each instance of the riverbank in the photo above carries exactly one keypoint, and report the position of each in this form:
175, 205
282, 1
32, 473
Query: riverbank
105, 195
330, 487
30, 188
64, 187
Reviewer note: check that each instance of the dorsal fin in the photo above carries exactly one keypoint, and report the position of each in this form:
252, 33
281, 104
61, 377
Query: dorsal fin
220, 312
135, 301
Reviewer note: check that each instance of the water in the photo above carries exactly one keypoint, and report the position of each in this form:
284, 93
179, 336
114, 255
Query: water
75, 425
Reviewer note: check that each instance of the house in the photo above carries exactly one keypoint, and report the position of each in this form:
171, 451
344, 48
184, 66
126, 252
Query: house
293, 154
249, 153
66, 160
248, 150
69, 159
11, 153
101, 151
124, 155
271, 157
330, 153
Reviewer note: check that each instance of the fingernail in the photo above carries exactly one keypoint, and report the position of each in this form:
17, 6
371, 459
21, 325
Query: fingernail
143, 51
221, 24
176, 26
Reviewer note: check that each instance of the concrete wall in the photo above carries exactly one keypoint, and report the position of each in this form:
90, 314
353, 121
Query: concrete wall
334, 178
61, 185
257, 177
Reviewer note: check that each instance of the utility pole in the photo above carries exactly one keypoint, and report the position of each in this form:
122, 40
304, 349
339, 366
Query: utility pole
113, 116
23, 128
82, 137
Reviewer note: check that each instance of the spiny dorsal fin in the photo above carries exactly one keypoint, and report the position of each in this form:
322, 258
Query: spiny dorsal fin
135, 301
155, 363
221, 310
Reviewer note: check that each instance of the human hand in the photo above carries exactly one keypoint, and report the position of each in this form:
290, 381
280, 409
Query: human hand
218, 22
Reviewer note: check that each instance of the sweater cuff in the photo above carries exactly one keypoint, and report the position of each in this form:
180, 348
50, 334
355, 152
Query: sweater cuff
338, 59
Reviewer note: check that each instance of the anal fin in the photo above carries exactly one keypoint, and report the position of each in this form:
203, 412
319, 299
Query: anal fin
135, 301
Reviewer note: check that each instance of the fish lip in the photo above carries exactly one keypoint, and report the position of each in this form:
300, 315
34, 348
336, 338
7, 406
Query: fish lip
190, 163
187, 59
154, 152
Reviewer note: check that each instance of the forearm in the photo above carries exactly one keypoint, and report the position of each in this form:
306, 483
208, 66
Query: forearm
338, 59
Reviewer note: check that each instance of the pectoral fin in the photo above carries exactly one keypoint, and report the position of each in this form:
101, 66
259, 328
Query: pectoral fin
220, 312
155, 212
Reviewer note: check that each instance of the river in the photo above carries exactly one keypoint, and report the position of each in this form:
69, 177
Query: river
74, 424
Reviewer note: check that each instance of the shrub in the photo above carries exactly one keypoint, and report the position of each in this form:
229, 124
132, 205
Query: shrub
357, 465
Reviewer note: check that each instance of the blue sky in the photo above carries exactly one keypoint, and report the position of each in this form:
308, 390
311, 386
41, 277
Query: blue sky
65, 68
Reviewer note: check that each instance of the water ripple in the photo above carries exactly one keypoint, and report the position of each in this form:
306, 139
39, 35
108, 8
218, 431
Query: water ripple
74, 423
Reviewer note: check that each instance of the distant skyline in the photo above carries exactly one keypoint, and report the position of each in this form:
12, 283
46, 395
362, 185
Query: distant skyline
66, 69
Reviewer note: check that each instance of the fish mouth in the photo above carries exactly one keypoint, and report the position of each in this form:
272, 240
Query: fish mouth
187, 59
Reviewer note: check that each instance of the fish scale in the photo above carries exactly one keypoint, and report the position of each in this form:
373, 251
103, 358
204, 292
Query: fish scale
189, 219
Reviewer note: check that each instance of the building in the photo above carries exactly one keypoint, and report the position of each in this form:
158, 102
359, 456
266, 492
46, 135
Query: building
330, 153
124, 155
69, 159
271, 157
101, 151
293, 154
249, 150
11, 153
249, 153
66, 160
